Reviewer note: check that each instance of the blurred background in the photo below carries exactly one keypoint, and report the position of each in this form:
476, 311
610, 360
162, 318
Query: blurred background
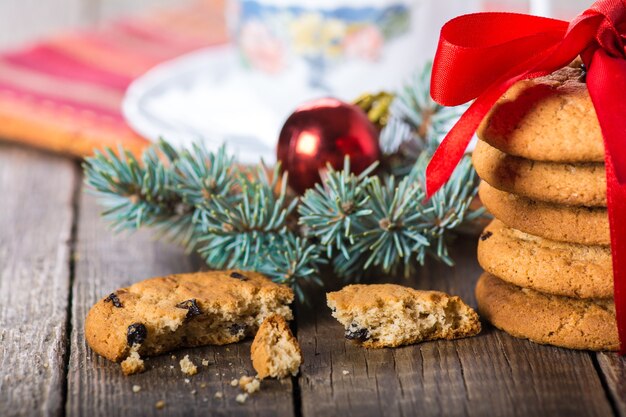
26, 20
76, 75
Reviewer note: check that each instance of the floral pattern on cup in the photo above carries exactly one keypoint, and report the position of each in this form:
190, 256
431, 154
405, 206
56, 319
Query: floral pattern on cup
271, 37
261, 48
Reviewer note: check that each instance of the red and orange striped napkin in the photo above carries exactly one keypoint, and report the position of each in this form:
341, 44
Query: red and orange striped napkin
64, 94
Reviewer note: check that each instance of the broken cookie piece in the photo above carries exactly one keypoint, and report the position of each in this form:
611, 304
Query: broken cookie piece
187, 367
388, 315
184, 310
275, 352
249, 384
133, 364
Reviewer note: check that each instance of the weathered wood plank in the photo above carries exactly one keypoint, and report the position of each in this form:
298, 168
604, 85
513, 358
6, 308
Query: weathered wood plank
613, 368
492, 374
36, 212
98, 388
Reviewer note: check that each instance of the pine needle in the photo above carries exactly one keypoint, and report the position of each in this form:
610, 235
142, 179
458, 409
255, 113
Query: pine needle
243, 219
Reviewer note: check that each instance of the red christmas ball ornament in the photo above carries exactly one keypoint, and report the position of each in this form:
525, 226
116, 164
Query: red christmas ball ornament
325, 131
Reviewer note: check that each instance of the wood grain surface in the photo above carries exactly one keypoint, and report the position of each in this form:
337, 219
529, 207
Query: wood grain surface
492, 374
57, 258
96, 387
36, 214
612, 370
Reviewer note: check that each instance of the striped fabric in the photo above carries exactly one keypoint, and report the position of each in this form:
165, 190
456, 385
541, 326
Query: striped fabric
65, 94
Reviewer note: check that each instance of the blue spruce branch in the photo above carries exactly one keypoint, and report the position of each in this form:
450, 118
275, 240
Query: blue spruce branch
329, 210
246, 219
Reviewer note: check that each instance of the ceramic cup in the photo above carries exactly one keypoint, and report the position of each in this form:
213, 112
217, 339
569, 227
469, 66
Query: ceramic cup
339, 47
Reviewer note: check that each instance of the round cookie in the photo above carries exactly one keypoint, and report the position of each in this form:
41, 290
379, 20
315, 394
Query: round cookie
559, 268
584, 225
582, 184
547, 319
183, 310
549, 118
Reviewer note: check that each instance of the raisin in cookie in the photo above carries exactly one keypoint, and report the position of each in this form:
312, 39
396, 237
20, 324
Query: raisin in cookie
581, 184
275, 352
560, 268
547, 319
183, 310
388, 315
549, 118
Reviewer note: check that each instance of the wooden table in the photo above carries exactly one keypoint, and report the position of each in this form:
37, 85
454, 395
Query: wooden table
57, 258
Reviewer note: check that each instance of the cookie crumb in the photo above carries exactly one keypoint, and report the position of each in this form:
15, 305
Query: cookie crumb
194, 392
203, 385
249, 384
160, 405
219, 394
133, 363
136, 388
187, 366
205, 362
234, 383
241, 398
173, 356
187, 380
345, 372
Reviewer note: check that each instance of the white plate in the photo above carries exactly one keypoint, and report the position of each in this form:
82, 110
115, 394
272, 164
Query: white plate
208, 96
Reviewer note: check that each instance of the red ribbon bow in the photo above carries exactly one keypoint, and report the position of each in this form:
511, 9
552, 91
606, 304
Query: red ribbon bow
481, 55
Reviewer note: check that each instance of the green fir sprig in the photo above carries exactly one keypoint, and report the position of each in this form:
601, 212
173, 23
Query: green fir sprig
384, 224
331, 211
391, 234
137, 194
246, 218
234, 218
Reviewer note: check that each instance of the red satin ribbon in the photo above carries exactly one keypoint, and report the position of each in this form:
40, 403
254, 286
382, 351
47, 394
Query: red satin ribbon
481, 55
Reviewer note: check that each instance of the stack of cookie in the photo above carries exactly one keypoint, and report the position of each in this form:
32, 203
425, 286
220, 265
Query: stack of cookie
546, 254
